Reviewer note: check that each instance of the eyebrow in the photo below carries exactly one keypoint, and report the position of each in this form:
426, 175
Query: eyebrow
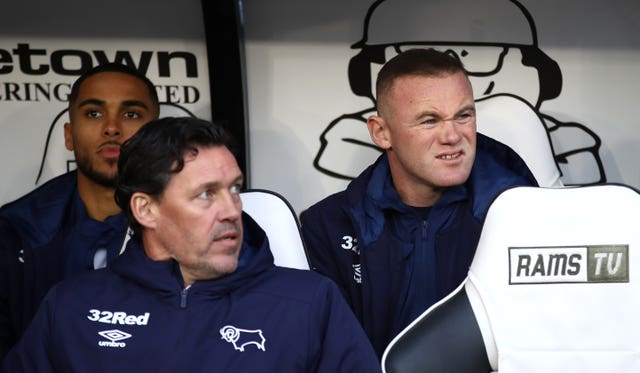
125, 103
217, 184
91, 101
427, 113
470, 107
433, 113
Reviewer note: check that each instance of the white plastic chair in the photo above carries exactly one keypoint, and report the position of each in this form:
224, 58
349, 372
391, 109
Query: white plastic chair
513, 122
276, 217
552, 287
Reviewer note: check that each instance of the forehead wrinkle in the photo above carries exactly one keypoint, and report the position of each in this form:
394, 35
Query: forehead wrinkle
192, 154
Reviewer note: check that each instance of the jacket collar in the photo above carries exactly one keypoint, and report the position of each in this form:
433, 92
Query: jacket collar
496, 167
165, 277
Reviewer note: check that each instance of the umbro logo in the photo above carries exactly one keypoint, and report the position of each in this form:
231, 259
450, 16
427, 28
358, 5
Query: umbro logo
114, 337
240, 338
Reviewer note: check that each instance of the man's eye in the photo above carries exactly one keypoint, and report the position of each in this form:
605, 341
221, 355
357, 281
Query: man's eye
236, 189
430, 121
205, 195
132, 115
465, 117
94, 114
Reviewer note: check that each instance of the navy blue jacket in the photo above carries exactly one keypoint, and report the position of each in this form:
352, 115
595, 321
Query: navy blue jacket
393, 261
40, 234
135, 316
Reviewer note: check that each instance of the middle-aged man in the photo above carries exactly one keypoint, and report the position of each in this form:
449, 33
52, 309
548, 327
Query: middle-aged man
402, 235
72, 223
196, 289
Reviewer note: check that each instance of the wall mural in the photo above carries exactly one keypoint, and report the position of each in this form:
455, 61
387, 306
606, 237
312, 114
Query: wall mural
503, 61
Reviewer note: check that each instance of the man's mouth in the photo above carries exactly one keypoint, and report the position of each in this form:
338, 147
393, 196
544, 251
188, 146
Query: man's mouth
450, 156
110, 150
230, 235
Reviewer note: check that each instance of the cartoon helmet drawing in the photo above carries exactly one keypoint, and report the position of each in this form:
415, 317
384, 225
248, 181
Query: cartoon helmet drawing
504, 23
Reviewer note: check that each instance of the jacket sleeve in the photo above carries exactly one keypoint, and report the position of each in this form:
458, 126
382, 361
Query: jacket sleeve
316, 241
341, 344
10, 286
324, 259
33, 353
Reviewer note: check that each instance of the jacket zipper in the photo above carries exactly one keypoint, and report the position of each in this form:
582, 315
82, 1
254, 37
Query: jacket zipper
424, 229
183, 297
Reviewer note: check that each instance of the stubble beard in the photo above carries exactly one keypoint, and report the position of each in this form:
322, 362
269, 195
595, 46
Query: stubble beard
101, 178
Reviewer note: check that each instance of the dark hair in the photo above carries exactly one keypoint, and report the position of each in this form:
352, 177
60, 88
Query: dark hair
423, 62
117, 68
149, 158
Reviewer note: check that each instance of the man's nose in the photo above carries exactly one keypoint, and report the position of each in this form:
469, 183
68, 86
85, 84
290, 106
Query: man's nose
449, 132
231, 206
112, 127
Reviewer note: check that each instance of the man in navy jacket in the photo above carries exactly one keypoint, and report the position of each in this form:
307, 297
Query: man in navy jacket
72, 224
196, 289
402, 235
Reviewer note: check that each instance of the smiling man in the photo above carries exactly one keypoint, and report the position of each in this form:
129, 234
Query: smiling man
403, 233
72, 224
196, 290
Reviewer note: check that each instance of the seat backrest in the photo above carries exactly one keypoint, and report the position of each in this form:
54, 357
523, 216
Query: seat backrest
513, 122
552, 287
276, 217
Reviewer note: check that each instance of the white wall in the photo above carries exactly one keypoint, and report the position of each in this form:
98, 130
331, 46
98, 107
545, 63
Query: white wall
297, 55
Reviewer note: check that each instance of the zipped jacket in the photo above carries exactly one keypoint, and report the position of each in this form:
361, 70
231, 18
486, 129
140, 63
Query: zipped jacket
393, 261
46, 236
136, 315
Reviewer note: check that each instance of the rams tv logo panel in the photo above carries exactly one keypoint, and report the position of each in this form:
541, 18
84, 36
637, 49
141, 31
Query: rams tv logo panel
580, 264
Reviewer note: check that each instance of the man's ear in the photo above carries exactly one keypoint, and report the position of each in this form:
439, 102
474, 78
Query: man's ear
379, 131
143, 209
68, 139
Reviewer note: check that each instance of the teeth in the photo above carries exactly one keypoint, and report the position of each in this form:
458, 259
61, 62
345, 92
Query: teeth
450, 156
